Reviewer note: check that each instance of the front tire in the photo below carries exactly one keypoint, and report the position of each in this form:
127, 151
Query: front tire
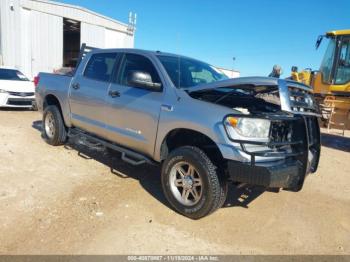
54, 131
191, 183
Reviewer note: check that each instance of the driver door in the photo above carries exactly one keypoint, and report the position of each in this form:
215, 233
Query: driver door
132, 112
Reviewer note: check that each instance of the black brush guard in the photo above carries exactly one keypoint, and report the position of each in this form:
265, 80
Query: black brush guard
294, 138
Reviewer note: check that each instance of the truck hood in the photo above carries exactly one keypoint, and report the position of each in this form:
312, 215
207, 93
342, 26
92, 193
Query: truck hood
250, 82
254, 94
255, 83
17, 86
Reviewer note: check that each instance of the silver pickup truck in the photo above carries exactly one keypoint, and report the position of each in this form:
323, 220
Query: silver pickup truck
204, 129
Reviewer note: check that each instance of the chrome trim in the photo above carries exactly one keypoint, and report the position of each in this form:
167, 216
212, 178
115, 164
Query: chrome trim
285, 97
167, 108
21, 94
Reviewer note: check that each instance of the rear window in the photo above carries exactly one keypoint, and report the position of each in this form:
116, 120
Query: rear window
12, 74
100, 66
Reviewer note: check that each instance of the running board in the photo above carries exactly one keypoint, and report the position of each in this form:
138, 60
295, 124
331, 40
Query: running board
128, 155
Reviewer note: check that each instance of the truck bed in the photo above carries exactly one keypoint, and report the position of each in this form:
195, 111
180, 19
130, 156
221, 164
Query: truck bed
56, 85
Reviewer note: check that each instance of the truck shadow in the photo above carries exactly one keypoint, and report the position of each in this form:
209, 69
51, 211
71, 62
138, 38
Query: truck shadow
148, 175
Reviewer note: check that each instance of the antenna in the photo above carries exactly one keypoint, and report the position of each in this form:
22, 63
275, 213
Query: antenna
132, 23
179, 60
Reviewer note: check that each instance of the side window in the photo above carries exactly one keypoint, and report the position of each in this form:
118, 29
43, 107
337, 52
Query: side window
100, 66
134, 62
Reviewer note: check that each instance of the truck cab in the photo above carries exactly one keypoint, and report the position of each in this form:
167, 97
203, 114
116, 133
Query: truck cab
334, 73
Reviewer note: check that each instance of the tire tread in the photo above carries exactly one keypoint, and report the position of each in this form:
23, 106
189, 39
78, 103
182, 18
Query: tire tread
61, 137
217, 185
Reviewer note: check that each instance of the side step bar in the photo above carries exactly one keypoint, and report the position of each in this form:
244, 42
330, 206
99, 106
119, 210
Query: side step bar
128, 155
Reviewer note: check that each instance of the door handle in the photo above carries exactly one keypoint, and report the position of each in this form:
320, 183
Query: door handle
114, 93
168, 108
76, 86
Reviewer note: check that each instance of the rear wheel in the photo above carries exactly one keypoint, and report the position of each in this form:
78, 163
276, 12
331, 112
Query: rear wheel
54, 131
191, 183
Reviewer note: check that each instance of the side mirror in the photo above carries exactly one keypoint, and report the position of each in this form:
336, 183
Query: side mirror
143, 80
319, 41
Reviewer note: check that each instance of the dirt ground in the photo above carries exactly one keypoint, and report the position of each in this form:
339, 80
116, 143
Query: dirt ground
75, 200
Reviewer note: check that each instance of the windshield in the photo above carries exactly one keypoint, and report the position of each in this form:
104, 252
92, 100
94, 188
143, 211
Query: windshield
12, 74
186, 72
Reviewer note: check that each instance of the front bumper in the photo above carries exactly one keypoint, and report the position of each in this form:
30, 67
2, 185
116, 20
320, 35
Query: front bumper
272, 175
17, 100
300, 154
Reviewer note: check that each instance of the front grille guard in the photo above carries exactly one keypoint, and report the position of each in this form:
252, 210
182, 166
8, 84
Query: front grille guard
299, 145
306, 140
296, 110
308, 134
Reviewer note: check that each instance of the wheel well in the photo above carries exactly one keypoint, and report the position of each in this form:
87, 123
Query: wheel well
51, 100
187, 137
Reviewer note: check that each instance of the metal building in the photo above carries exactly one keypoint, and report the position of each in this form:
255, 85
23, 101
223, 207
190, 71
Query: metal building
41, 35
231, 73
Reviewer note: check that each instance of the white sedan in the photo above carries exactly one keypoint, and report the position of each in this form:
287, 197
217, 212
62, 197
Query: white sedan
15, 89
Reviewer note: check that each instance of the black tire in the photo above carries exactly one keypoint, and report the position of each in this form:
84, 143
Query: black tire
224, 191
59, 133
213, 189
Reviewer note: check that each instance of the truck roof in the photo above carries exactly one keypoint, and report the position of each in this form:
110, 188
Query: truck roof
138, 51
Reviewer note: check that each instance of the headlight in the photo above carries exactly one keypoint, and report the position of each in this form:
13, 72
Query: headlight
248, 127
2, 91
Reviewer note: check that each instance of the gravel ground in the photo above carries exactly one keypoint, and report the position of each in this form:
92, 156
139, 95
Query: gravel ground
75, 200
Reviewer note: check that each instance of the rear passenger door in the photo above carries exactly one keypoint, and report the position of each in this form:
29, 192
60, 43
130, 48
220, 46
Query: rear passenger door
132, 116
88, 92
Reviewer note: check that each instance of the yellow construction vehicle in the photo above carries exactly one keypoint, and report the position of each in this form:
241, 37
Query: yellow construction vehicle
331, 83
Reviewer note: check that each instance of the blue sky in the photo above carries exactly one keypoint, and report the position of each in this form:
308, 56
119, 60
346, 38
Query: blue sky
259, 33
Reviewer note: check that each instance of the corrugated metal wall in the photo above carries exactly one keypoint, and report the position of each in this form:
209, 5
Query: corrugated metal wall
10, 26
73, 12
92, 35
114, 39
26, 46
31, 33
46, 41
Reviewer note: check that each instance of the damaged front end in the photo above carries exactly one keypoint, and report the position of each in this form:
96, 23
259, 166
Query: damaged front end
274, 124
